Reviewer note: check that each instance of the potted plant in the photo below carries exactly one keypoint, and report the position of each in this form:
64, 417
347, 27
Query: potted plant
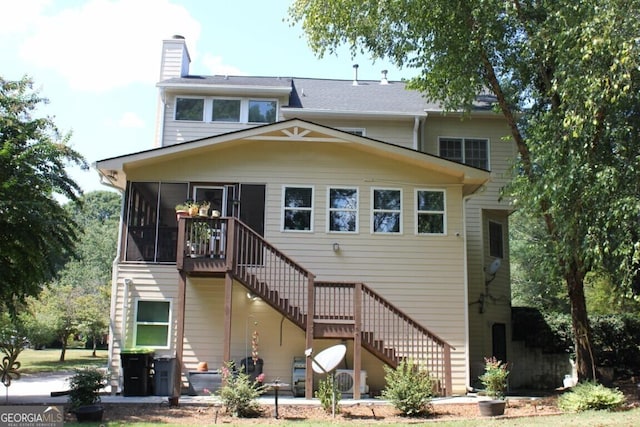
182, 210
84, 394
494, 381
203, 209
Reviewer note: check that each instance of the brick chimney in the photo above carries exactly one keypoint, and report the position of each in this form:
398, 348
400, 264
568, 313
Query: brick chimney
175, 58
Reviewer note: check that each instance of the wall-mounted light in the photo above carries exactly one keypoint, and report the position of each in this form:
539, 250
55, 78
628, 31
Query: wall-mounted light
336, 247
251, 296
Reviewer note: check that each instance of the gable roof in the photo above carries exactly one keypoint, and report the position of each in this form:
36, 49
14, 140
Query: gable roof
113, 170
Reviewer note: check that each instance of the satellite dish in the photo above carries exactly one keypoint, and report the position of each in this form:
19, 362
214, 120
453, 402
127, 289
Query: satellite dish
494, 266
328, 359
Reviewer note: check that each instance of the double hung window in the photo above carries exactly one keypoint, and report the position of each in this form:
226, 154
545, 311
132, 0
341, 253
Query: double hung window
232, 110
387, 210
297, 209
343, 210
152, 323
470, 151
430, 212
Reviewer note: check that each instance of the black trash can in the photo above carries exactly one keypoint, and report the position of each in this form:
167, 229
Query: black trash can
136, 370
251, 368
164, 369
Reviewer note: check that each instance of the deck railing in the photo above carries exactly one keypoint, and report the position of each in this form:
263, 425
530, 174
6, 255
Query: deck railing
385, 330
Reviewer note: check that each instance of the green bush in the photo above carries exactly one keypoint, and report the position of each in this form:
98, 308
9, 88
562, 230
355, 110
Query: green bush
409, 388
494, 378
84, 387
239, 392
590, 396
325, 394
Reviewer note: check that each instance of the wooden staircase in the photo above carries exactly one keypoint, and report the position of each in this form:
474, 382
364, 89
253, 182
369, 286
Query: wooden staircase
331, 309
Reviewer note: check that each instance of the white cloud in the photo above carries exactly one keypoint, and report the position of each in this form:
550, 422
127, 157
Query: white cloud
130, 120
19, 16
105, 44
215, 66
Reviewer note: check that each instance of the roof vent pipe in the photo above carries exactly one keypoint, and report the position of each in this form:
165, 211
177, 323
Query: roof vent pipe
355, 74
384, 80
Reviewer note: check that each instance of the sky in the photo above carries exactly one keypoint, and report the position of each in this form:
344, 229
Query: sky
98, 61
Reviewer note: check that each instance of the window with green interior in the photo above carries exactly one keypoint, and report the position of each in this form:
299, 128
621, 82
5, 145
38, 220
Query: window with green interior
297, 208
343, 210
153, 318
386, 215
430, 212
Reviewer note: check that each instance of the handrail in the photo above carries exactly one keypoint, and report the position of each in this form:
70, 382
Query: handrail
384, 329
270, 274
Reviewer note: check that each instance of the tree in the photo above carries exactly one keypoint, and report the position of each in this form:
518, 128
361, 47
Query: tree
566, 78
37, 235
78, 301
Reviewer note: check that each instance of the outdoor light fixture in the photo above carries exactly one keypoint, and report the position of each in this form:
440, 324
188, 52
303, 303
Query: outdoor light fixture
336, 247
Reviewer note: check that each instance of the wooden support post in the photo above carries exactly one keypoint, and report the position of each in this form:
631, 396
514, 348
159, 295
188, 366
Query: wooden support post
230, 253
182, 297
447, 370
357, 339
308, 378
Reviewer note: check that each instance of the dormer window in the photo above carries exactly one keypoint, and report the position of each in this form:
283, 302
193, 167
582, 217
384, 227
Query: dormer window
231, 110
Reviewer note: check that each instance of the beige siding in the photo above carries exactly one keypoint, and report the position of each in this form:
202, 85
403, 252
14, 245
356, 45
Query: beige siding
398, 132
422, 275
486, 205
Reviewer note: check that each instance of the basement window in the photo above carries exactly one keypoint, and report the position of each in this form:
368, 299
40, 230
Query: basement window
152, 323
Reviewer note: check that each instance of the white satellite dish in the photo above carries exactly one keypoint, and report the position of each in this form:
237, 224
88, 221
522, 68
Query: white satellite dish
494, 266
328, 359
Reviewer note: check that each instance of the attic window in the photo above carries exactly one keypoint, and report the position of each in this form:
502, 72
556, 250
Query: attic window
262, 111
354, 131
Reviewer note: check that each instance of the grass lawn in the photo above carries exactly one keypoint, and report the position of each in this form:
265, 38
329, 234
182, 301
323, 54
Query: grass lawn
48, 360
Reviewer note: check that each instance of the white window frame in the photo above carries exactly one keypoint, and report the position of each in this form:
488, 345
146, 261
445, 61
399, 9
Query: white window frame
330, 209
463, 139
284, 208
374, 211
431, 212
167, 324
208, 108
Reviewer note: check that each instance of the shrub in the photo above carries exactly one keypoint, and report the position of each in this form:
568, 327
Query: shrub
239, 392
494, 378
325, 394
589, 396
409, 388
84, 387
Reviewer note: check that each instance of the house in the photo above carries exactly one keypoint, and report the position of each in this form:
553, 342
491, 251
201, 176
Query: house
351, 212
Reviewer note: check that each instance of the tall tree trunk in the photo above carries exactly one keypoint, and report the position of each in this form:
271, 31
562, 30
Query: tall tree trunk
64, 347
95, 346
585, 363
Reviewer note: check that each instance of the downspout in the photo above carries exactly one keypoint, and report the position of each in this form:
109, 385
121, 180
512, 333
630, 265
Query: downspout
416, 130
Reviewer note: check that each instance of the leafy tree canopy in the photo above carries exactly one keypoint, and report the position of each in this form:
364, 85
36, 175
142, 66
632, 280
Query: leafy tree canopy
36, 233
566, 78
